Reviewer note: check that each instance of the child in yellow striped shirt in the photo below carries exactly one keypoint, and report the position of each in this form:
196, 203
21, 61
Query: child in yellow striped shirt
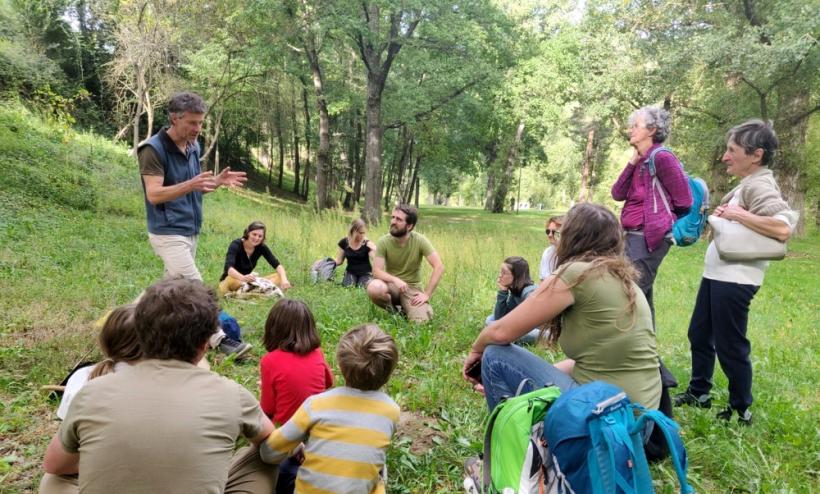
345, 430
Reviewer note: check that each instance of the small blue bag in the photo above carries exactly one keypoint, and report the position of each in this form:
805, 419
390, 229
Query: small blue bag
688, 228
597, 443
230, 326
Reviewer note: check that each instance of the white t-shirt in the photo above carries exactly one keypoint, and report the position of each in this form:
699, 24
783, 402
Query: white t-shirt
742, 273
75, 384
547, 263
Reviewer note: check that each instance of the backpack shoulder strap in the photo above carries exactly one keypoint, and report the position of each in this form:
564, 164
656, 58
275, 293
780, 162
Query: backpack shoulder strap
677, 451
657, 183
486, 468
651, 161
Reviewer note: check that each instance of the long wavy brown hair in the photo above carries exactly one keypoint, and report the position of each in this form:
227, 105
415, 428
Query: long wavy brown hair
591, 233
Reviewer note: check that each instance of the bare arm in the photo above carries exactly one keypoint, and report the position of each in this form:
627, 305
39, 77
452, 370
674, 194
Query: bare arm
380, 274
204, 182
551, 298
233, 273
159, 194
267, 428
283, 276
435, 277
58, 461
764, 225
340, 257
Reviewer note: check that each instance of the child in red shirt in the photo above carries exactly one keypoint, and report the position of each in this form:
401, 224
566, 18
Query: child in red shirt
292, 370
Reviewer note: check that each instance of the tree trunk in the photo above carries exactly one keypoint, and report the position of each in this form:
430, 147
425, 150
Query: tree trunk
373, 151
400, 29
323, 158
270, 155
490, 154
359, 161
506, 177
138, 111
279, 136
306, 179
418, 186
586, 171
414, 181
296, 164
149, 110
214, 139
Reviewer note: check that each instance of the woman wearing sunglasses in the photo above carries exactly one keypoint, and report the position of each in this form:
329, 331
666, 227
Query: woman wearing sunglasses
548, 257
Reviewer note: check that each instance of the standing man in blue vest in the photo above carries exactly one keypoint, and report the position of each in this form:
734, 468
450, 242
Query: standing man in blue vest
173, 184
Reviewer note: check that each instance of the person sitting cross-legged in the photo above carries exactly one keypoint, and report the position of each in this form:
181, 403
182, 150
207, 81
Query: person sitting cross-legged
164, 425
241, 259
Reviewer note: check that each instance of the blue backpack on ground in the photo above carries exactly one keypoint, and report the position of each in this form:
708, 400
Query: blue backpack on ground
688, 228
230, 326
597, 442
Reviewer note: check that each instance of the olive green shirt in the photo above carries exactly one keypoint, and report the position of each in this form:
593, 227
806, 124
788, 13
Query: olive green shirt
599, 334
404, 262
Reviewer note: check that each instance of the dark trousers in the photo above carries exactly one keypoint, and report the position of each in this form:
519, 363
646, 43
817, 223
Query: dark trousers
286, 483
718, 327
646, 262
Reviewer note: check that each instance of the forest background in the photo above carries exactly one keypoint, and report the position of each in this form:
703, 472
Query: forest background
498, 103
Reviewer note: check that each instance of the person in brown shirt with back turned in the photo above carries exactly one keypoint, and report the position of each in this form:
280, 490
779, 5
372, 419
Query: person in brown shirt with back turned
163, 425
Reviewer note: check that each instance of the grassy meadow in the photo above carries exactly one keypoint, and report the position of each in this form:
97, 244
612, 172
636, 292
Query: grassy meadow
73, 244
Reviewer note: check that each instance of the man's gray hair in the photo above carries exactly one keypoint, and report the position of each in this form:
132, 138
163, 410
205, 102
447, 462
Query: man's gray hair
654, 118
186, 101
755, 134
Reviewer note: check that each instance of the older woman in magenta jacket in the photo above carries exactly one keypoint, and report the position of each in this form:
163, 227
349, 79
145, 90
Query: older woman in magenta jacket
647, 222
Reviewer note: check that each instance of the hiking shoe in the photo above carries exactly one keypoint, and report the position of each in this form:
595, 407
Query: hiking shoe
744, 417
229, 346
687, 398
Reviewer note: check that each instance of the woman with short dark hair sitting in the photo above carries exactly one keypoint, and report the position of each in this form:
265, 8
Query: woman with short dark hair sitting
241, 259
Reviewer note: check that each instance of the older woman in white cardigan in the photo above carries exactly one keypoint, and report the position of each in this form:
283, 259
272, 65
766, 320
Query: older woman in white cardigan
719, 321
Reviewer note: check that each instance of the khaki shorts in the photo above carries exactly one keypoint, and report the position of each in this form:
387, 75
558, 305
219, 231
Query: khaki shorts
416, 313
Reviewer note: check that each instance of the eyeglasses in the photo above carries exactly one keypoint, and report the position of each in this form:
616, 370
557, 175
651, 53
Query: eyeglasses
556, 234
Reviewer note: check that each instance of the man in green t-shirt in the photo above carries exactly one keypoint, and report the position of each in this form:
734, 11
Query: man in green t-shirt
397, 267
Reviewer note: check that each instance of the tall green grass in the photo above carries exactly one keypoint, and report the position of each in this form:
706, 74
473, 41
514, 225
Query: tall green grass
73, 244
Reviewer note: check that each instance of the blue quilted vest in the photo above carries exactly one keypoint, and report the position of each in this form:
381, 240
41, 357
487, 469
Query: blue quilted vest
183, 215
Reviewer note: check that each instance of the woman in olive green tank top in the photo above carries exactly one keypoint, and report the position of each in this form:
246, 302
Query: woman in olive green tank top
591, 307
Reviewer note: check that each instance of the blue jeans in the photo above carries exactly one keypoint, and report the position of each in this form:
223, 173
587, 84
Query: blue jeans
528, 339
503, 367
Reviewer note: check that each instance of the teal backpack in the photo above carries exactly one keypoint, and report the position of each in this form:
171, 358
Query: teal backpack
688, 228
514, 450
596, 438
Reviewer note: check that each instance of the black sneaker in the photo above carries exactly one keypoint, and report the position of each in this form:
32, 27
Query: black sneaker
229, 346
687, 398
744, 417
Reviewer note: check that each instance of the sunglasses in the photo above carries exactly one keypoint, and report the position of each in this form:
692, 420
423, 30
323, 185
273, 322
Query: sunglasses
553, 233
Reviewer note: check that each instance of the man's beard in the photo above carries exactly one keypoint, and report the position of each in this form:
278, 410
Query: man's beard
394, 230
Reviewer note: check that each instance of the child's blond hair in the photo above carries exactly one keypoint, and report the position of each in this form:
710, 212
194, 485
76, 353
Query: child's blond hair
366, 356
